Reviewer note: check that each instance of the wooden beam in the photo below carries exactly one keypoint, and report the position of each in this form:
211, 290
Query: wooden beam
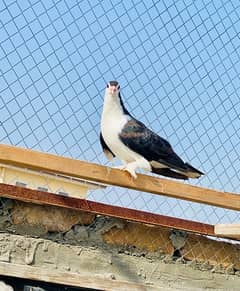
69, 278
46, 198
228, 230
101, 174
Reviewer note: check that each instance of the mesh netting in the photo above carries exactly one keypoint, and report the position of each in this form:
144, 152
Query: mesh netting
178, 65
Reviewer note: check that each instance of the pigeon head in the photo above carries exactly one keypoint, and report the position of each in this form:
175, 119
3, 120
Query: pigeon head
113, 99
113, 88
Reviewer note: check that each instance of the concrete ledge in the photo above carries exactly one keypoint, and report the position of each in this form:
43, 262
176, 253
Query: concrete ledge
84, 229
94, 267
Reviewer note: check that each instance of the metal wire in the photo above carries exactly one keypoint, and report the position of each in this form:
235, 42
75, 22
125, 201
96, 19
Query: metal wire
178, 66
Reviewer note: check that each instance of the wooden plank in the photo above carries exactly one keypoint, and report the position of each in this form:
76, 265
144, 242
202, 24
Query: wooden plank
69, 278
40, 197
228, 230
101, 174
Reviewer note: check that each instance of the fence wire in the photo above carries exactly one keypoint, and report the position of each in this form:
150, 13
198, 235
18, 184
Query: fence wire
178, 65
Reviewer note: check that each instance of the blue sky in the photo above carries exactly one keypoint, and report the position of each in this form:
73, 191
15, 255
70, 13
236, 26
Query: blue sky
178, 64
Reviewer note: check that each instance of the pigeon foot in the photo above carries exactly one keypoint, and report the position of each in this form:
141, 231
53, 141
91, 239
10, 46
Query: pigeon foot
128, 169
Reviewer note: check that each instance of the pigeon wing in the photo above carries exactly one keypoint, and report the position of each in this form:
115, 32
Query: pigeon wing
148, 144
108, 153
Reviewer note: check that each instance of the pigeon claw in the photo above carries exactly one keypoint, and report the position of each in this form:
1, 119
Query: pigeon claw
129, 170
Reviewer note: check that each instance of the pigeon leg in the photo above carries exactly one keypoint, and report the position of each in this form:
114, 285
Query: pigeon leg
121, 167
130, 168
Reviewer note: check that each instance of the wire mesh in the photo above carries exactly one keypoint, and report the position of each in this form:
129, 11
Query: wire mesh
178, 66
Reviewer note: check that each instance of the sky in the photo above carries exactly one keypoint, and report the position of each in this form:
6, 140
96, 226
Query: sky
178, 64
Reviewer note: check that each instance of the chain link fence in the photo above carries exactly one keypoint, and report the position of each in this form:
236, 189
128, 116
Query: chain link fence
178, 65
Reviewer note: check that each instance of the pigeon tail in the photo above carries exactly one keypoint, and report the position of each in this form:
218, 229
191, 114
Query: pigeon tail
184, 173
169, 173
192, 172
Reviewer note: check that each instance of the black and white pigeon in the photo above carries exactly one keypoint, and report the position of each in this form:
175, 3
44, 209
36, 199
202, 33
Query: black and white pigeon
124, 137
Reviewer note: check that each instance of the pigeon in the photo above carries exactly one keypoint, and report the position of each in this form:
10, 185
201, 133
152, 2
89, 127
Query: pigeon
135, 145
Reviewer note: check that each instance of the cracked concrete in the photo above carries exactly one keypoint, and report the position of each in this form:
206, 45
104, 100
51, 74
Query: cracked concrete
111, 265
115, 249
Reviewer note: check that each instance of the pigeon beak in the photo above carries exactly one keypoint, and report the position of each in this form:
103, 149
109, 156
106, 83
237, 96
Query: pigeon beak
113, 89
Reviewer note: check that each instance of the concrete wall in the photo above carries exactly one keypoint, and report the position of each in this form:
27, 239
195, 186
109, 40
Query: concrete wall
73, 242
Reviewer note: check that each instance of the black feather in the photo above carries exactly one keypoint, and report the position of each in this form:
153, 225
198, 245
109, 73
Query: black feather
149, 145
152, 147
105, 147
169, 173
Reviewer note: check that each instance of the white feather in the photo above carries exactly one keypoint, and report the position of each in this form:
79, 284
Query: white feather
112, 123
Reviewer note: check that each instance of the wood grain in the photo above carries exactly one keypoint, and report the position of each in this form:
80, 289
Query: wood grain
228, 230
101, 174
68, 278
